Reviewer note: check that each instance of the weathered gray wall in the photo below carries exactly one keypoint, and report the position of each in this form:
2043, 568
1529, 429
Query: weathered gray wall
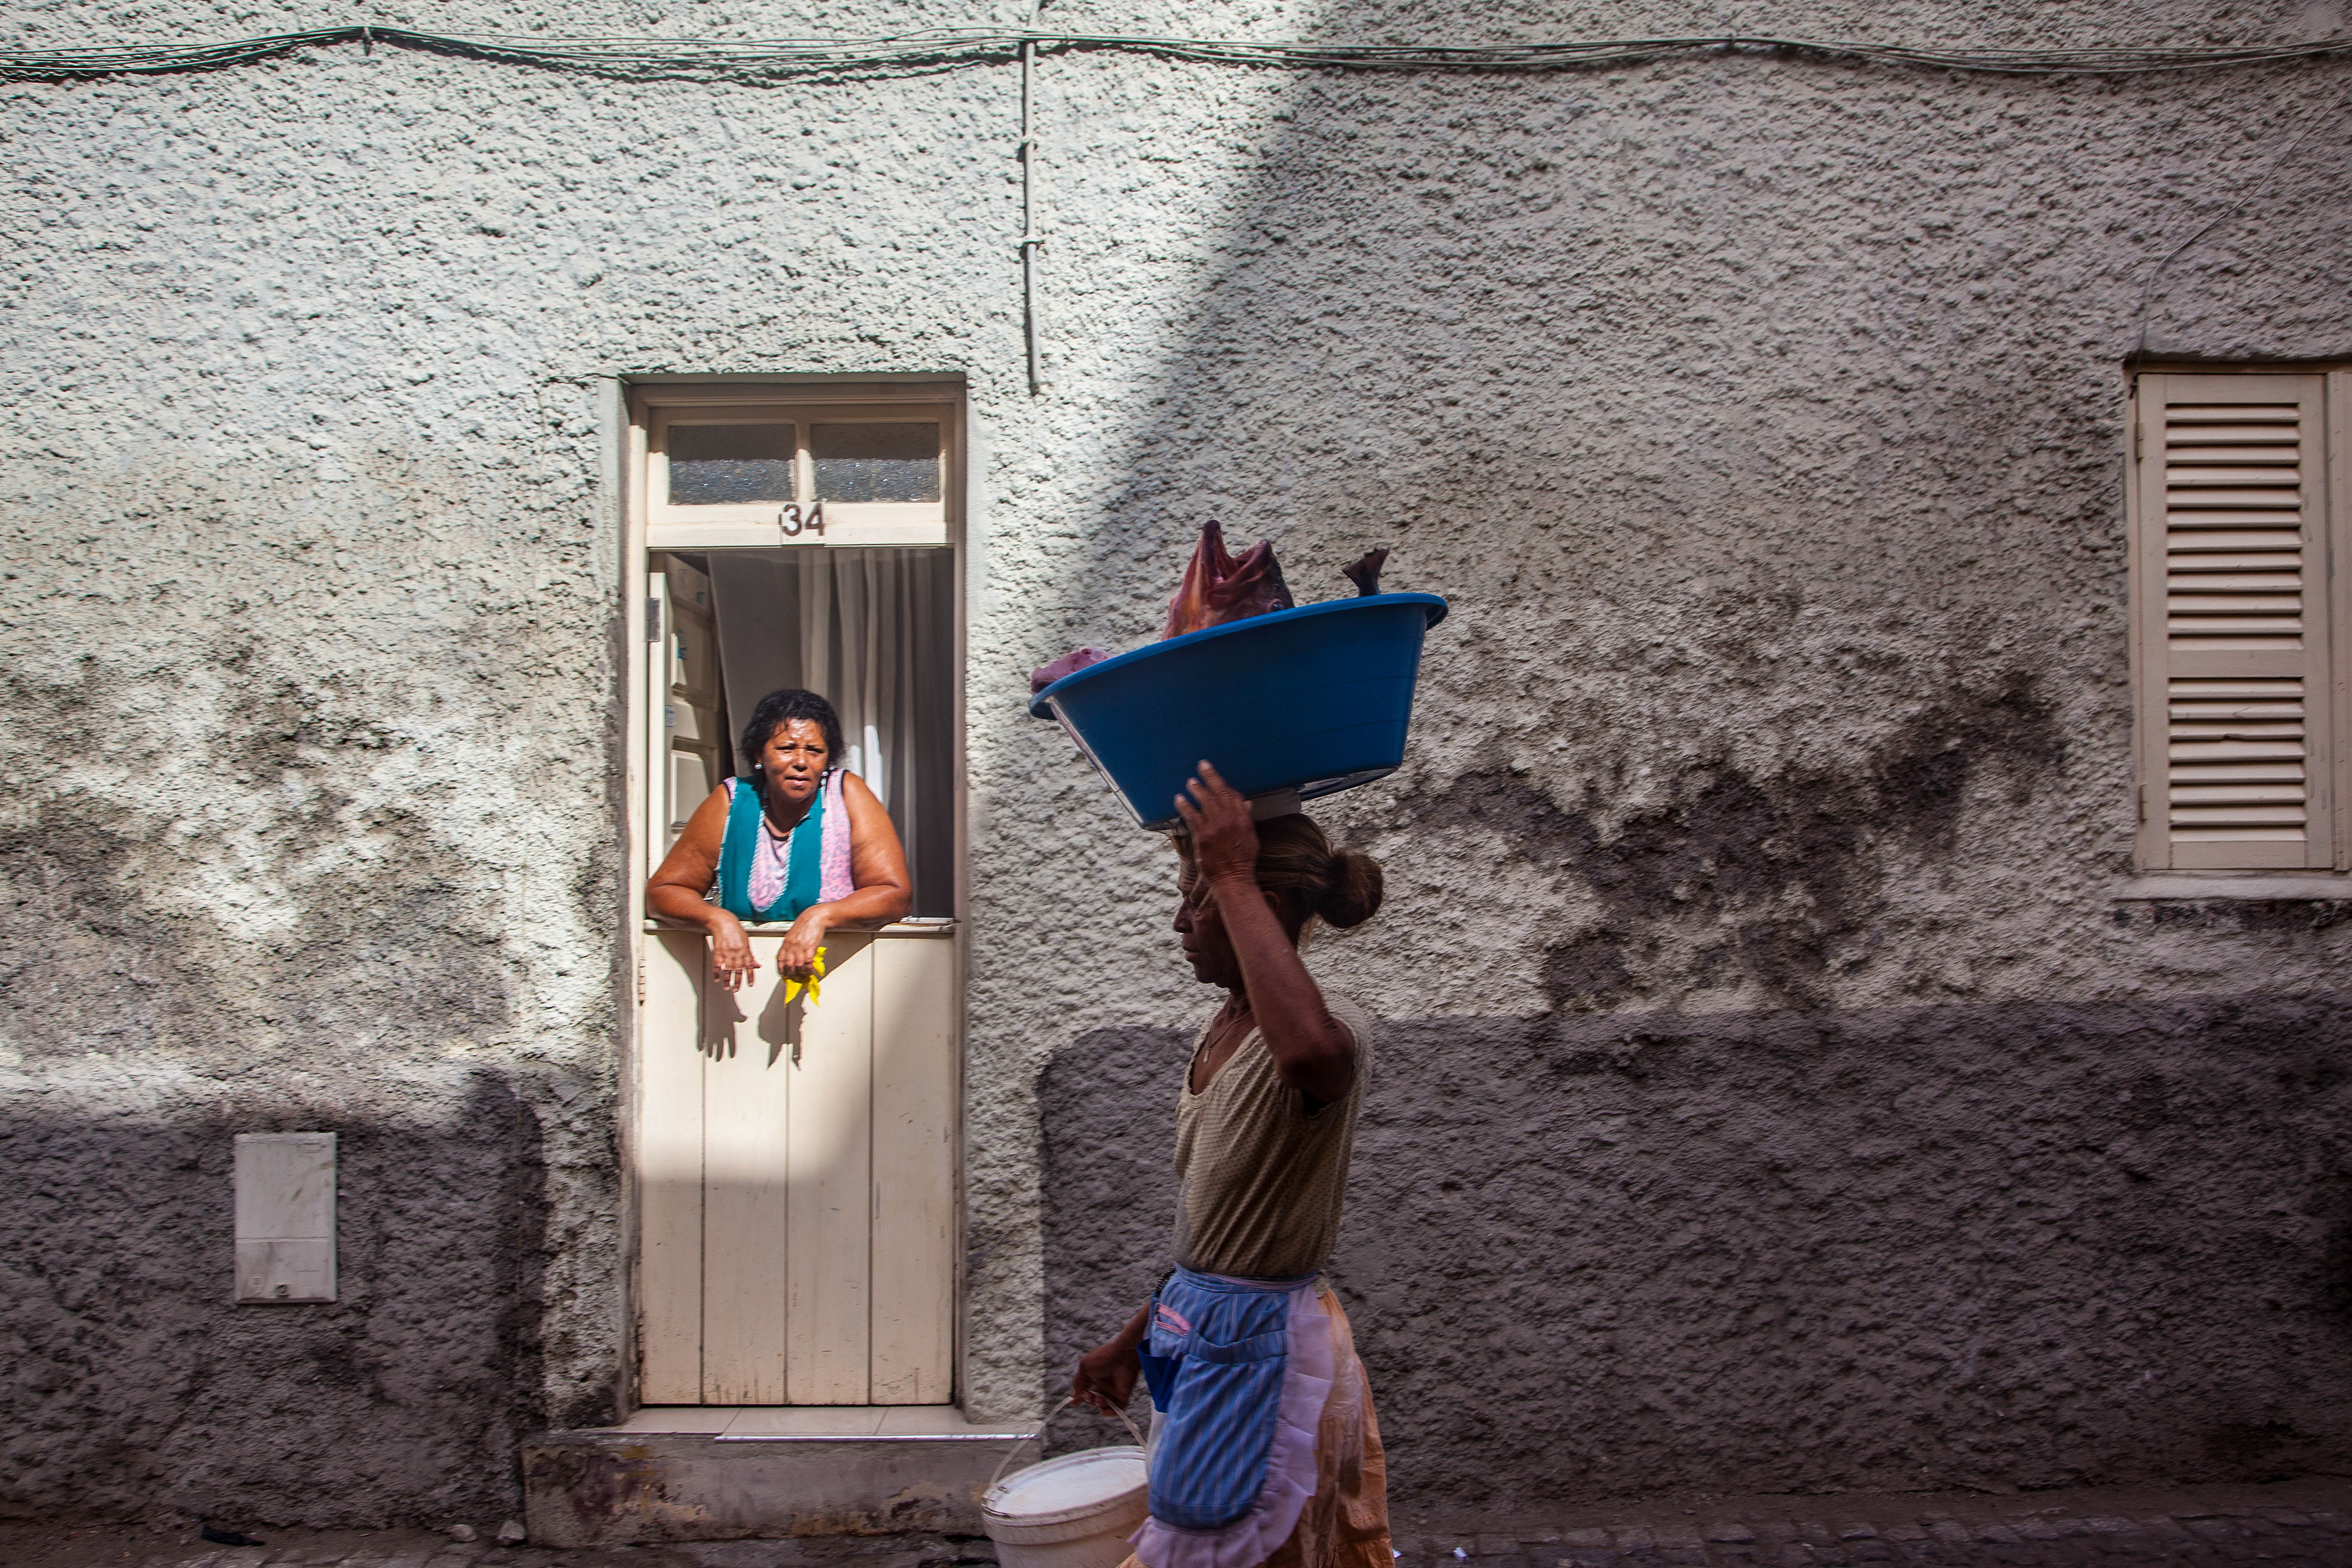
1752, 1112
1776, 1096
314, 607
1958, 1247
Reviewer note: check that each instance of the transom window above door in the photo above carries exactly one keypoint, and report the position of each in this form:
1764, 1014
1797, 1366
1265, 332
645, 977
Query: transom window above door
733, 464
764, 475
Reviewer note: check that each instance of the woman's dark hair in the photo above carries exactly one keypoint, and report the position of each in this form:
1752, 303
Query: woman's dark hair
1297, 863
778, 708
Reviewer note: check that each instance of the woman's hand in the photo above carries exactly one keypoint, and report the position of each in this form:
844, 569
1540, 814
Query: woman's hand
1106, 1374
796, 955
1224, 839
1106, 1378
730, 951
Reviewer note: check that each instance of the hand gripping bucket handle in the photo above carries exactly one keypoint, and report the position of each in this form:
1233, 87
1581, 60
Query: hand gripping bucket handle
1038, 1436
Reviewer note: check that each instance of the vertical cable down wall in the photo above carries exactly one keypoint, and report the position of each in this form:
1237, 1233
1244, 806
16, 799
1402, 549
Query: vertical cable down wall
1031, 239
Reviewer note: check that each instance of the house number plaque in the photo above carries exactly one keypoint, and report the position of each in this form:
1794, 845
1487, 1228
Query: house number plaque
793, 521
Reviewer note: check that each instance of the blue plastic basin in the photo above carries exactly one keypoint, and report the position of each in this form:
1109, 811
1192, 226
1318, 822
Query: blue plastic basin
1314, 699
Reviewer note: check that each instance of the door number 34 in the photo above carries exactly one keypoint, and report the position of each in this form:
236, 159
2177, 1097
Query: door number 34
795, 520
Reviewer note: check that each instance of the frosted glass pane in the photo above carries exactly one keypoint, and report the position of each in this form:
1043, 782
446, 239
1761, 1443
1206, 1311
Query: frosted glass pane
876, 462
728, 465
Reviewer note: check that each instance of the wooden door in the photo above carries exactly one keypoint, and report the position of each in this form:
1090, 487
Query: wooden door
797, 1167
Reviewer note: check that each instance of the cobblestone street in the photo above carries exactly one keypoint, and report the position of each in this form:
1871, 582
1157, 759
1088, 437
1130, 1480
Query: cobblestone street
2304, 1522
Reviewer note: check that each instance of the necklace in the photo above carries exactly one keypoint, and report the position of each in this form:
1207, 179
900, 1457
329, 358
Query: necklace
767, 822
1221, 1028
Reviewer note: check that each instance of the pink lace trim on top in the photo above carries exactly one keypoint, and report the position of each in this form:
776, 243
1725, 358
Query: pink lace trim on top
1308, 1371
834, 877
771, 860
769, 857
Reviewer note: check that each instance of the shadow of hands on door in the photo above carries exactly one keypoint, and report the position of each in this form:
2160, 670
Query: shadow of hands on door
727, 1028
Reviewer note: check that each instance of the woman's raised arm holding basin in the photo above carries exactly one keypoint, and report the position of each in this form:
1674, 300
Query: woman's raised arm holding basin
1229, 919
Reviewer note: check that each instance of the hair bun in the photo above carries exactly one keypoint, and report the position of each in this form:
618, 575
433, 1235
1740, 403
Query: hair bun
1297, 862
1354, 893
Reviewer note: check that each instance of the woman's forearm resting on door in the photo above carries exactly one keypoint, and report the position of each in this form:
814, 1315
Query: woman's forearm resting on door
878, 863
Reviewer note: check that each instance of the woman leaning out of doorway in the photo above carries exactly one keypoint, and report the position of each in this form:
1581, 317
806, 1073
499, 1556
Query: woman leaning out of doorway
1263, 1447
799, 840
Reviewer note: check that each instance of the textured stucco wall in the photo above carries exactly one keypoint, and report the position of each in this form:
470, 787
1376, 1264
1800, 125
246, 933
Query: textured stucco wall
1952, 1246
1752, 1112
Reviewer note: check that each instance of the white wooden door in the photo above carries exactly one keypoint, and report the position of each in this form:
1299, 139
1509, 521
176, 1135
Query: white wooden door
797, 1168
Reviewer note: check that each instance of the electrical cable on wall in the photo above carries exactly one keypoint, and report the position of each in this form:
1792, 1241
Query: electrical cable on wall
2328, 113
754, 61
1031, 240
646, 58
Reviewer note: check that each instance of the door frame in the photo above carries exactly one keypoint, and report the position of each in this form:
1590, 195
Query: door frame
624, 408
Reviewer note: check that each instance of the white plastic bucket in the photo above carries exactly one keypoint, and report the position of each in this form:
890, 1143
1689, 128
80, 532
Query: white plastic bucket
1075, 1511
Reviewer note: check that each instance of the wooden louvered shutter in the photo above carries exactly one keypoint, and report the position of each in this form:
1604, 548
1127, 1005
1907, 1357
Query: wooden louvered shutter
2235, 700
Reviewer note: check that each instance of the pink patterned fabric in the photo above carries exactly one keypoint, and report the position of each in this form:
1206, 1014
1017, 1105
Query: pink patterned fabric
1308, 1371
836, 878
769, 860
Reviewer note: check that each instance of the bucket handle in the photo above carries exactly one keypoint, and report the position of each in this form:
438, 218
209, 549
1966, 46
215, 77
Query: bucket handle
1040, 1433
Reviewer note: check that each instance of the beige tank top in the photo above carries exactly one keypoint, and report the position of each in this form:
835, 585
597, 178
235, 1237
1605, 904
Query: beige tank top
1258, 1181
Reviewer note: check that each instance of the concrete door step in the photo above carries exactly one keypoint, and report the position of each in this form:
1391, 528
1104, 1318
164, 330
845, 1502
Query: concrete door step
689, 1473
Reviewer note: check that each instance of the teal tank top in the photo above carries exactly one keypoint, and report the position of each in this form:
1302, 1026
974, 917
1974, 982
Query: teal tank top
804, 864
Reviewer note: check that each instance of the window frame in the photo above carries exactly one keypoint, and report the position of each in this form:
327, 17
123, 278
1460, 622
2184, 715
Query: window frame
762, 524
2326, 588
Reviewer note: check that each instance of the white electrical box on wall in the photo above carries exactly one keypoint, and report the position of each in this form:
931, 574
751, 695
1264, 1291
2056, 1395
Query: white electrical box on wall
284, 1217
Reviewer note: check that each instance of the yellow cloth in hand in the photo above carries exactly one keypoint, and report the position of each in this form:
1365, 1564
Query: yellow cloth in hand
793, 987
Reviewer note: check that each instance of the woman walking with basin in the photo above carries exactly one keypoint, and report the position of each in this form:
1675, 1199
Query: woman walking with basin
799, 840
1264, 1448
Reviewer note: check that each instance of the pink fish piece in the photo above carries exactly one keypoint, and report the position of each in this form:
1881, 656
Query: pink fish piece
1070, 663
1218, 588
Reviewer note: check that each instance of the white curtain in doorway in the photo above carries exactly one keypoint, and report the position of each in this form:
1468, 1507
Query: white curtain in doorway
870, 630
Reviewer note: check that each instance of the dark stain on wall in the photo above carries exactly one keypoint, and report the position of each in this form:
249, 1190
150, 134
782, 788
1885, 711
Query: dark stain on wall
1970, 1246
1781, 874
137, 1387
394, 949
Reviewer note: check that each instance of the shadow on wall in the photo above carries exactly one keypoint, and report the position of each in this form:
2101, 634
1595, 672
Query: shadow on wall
1985, 1247
1107, 1109
139, 1388
1761, 416
143, 1034
1589, 331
